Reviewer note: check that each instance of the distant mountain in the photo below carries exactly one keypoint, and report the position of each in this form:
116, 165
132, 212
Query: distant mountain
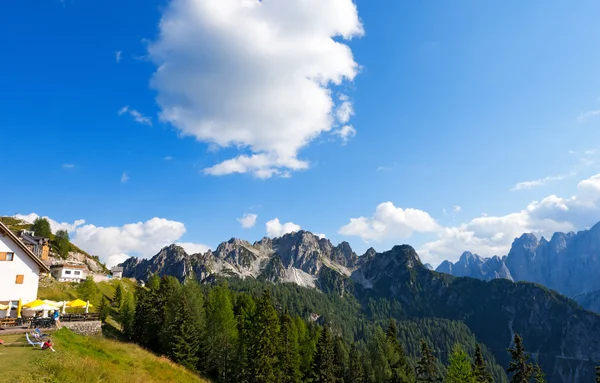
589, 301
475, 266
565, 337
569, 263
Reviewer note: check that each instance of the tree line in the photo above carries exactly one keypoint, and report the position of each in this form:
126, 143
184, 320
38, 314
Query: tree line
239, 337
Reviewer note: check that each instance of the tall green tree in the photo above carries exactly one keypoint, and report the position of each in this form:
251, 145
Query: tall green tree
41, 228
340, 359
426, 367
597, 374
459, 366
522, 371
149, 315
356, 370
61, 241
244, 310
289, 358
118, 296
480, 370
264, 345
127, 314
104, 308
221, 331
401, 371
323, 364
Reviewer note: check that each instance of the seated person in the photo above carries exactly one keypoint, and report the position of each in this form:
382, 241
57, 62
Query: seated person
47, 345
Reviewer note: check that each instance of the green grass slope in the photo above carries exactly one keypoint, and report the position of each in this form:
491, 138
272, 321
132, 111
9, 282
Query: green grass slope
80, 359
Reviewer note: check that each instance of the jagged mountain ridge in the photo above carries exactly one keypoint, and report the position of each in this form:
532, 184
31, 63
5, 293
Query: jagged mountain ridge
296, 257
569, 263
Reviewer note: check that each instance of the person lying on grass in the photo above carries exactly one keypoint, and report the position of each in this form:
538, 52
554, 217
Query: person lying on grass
48, 345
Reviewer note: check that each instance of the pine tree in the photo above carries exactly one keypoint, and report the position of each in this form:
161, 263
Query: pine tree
355, 372
323, 364
221, 335
264, 346
426, 367
480, 371
289, 351
88, 290
340, 359
118, 297
244, 310
459, 367
522, 370
41, 228
186, 325
598, 374
127, 314
401, 372
103, 309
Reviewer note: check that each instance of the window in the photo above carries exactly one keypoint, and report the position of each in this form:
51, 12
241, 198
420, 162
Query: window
67, 272
20, 279
6, 256
77, 272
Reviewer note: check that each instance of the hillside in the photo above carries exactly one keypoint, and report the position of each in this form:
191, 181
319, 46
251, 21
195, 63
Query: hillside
80, 359
75, 253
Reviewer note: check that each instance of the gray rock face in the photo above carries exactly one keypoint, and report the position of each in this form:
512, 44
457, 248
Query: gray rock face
569, 263
475, 266
296, 257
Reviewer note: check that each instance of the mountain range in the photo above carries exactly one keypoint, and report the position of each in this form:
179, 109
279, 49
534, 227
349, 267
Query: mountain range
569, 263
564, 336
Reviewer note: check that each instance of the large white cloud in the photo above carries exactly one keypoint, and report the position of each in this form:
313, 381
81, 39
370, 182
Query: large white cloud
390, 222
277, 229
54, 225
114, 244
485, 235
257, 75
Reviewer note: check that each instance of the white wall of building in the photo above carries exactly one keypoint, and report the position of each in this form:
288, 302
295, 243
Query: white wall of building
21, 264
67, 274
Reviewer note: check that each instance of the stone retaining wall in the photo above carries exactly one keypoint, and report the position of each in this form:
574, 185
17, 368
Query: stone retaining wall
84, 328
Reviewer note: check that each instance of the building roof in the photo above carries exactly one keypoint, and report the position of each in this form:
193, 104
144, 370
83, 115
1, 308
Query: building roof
116, 269
69, 266
5, 231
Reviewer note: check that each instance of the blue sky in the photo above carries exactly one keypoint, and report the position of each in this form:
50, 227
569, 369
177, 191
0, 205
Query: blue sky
453, 104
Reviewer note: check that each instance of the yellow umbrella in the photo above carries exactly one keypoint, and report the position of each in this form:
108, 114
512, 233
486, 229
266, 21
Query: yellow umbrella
53, 303
34, 304
19, 308
78, 303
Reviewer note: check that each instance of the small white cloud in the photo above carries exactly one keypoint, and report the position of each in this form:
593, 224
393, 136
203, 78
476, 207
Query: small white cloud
118, 56
383, 169
457, 209
590, 152
572, 152
124, 178
193, 248
346, 132
391, 223
276, 229
137, 116
536, 183
248, 220
321, 236
587, 115
344, 112
168, 158
68, 166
